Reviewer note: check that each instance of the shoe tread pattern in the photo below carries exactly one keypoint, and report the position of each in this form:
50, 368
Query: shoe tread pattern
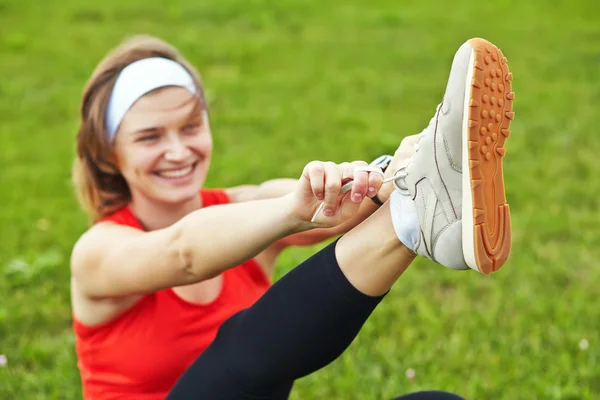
490, 116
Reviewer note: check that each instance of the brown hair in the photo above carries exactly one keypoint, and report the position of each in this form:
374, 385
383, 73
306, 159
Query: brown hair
100, 187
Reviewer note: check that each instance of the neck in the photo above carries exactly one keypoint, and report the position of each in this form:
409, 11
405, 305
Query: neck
158, 215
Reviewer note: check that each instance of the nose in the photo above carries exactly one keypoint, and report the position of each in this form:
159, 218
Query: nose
176, 149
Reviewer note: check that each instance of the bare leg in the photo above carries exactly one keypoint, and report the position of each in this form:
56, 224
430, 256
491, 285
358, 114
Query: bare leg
371, 256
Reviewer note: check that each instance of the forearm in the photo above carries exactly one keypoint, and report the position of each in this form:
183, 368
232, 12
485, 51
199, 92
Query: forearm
280, 187
217, 238
315, 236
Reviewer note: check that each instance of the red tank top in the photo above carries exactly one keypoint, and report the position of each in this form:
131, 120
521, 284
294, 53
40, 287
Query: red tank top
141, 353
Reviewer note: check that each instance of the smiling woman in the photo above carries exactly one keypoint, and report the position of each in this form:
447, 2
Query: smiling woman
171, 289
110, 173
157, 251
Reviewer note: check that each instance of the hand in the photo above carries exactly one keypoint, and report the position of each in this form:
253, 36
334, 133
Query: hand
321, 182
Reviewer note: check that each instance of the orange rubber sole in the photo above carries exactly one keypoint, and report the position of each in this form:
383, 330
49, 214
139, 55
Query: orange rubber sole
490, 115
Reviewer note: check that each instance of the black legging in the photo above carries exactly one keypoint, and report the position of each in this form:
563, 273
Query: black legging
301, 324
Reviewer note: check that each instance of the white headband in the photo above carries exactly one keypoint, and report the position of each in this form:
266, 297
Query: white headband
139, 78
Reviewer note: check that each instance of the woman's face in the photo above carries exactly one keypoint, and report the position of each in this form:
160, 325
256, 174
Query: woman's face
164, 145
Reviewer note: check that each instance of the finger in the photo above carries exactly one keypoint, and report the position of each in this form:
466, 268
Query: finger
348, 180
333, 184
316, 177
374, 179
375, 182
346, 170
361, 181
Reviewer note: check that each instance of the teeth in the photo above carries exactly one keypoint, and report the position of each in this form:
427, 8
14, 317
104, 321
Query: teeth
176, 173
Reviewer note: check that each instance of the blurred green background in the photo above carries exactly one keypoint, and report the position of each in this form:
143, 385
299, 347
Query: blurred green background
290, 81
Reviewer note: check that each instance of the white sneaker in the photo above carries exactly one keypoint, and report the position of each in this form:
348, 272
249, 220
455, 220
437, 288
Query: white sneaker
454, 182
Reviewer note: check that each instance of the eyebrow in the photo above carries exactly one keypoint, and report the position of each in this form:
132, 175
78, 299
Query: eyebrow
151, 129
194, 116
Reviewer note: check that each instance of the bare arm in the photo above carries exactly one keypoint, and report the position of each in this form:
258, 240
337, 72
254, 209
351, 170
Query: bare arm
113, 261
280, 187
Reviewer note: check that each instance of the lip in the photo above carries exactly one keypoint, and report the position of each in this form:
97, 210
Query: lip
177, 179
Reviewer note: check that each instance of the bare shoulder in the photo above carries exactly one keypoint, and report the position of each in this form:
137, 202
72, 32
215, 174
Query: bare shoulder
97, 241
85, 258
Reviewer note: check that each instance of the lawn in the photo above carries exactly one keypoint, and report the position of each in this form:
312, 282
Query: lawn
290, 81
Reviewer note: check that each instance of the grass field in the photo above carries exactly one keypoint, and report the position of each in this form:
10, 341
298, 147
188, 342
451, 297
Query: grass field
290, 81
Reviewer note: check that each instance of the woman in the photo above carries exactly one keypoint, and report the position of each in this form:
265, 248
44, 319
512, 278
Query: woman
168, 264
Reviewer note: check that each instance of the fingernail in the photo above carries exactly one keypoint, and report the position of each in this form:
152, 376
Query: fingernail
357, 197
371, 190
328, 212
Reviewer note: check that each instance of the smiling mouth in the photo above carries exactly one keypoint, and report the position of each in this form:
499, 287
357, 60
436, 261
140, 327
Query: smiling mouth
177, 173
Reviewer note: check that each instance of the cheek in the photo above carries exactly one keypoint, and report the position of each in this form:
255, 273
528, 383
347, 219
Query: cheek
203, 145
139, 163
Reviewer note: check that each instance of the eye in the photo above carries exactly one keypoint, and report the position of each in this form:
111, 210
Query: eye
192, 127
148, 138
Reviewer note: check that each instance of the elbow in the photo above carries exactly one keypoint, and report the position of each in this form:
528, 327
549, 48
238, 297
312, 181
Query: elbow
185, 254
182, 252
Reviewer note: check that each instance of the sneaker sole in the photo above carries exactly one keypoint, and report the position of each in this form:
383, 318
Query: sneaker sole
486, 215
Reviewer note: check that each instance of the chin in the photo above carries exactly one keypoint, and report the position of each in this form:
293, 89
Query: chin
181, 195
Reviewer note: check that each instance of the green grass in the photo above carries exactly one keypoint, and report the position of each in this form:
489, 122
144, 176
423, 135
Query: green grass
290, 81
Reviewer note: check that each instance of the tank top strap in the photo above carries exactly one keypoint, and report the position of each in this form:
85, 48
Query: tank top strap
213, 197
123, 216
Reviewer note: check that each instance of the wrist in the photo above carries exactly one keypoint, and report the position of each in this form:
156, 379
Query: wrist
293, 222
